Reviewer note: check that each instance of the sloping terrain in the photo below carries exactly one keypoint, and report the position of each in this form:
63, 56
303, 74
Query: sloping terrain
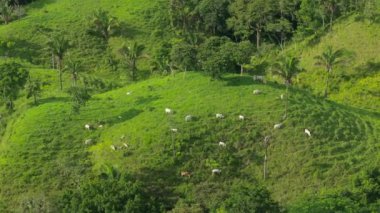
48, 141
357, 81
43, 151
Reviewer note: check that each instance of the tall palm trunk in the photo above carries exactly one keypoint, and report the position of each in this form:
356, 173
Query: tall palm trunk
265, 163
287, 99
60, 73
258, 37
327, 82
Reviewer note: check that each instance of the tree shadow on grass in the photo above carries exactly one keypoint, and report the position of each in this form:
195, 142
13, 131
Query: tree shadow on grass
53, 100
238, 80
24, 50
368, 69
127, 115
127, 31
146, 100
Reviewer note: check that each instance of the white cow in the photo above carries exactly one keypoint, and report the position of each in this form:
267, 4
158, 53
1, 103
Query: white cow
174, 130
113, 147
100, 126
307, 132
216, 171
222, 144
188, 118
256, 92
219, 116
125, 145
168, 111
241, 117
87, 126
259, 78
88, 142
129, 93
277, 126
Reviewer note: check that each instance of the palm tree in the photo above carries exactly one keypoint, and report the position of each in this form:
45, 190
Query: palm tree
102, 24
58, 45
5, 11
131, 54
329, 59
287, 68
33, 89
74, 67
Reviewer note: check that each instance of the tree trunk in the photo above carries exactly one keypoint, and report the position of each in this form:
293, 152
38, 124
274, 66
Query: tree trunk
327, 83
60, 73
241, 70
331, 18
287, 99
258, 37
265, 163
35, 98
53, 60
133, 70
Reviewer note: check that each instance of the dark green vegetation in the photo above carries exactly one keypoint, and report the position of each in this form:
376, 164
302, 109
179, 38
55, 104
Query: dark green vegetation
84, 86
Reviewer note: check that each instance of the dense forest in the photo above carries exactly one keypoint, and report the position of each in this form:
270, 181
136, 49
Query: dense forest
189, 106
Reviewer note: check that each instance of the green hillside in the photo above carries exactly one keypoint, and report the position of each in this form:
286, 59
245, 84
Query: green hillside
51, 136
356, 82
137, 158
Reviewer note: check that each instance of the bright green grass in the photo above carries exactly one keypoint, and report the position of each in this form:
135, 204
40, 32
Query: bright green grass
43, 151
71, 17
357, 82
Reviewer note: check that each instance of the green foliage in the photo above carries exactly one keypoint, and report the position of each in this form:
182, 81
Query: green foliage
34, 89
102, 24
329, 59
6, 11
79, 97
74, 67
12, 79
244, 197
107, 195
183, 56
131, 54
59, 45
364, 197
286, 68
215, 56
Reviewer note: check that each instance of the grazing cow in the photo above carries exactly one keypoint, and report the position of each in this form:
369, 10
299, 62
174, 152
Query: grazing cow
113, 147
241, 117
168, 111
100, 126
88, 127
88, 142
222, 144
185, 174
259, 78
266, 139
216, 171
125, 145
307, 132
219, 116
188, 118
277, 126
129, 93
256, 92
174, 130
